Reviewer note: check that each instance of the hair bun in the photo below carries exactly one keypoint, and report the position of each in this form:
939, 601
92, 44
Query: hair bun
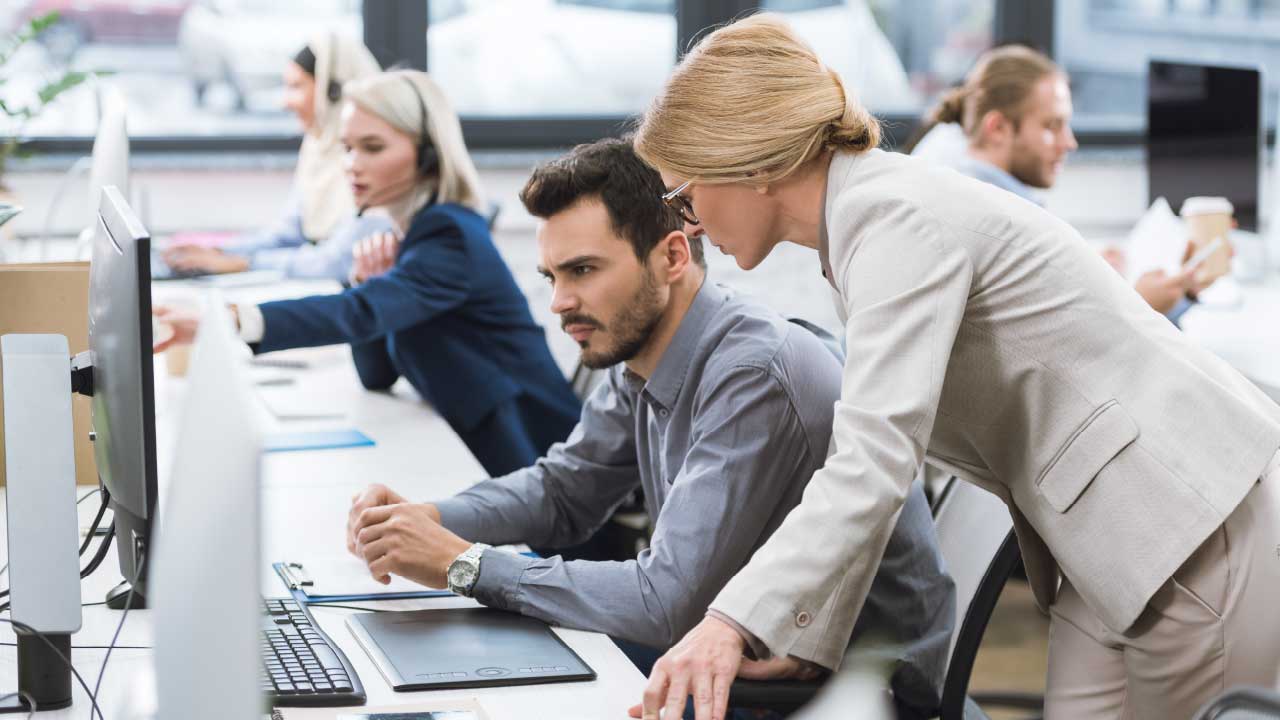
950, 108
856, 130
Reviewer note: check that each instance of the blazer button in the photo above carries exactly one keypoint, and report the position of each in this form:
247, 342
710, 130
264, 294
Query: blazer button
803, 619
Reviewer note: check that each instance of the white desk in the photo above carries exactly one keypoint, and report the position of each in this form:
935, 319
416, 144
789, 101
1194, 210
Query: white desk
1246, 335
305, 500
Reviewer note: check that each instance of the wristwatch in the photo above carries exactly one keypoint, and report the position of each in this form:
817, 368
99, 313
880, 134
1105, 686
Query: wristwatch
465, 570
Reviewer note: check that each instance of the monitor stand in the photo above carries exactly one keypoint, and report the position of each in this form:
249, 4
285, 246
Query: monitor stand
118, 596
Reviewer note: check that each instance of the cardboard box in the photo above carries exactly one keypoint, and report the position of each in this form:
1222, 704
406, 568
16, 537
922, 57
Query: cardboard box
52, 298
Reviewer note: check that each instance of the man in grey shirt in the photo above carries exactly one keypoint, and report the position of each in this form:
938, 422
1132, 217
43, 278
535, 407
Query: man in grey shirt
717, 407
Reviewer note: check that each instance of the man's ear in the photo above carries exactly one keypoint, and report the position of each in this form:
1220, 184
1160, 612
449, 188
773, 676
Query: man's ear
996, 127
675, 255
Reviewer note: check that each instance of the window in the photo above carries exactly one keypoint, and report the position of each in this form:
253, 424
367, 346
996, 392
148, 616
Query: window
1105, 46
549, 58
187, 67
896, 54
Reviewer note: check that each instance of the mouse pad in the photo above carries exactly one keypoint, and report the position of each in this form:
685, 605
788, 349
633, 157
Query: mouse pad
465, 647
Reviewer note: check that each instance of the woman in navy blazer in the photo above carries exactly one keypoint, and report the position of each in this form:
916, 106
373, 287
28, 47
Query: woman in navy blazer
438, 306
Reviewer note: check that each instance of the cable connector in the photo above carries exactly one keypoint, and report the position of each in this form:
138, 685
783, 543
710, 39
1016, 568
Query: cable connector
82, 373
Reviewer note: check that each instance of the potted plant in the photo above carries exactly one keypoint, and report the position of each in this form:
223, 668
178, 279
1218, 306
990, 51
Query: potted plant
17, 112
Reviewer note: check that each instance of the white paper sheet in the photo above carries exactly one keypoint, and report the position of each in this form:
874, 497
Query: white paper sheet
1157, 242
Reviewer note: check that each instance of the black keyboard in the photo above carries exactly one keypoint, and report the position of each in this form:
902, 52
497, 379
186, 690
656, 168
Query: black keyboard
303, 667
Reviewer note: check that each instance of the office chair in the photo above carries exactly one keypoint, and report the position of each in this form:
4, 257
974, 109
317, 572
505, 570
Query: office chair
975, 535
1242, 703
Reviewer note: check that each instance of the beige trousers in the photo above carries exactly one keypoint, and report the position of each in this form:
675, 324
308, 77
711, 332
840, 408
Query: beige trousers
1214, 625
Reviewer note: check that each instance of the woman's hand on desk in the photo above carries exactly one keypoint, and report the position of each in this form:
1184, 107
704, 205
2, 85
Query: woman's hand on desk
702, 666
408, 540
206, 259
184, 322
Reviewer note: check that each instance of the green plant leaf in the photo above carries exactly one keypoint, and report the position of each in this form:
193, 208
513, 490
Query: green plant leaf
69, 80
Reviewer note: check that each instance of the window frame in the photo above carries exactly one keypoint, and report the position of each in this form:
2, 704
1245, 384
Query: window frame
388, 31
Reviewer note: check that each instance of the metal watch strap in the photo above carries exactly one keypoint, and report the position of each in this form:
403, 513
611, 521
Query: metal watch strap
470, 556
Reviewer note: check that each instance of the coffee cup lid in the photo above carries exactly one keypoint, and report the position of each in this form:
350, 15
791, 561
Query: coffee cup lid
1206, 206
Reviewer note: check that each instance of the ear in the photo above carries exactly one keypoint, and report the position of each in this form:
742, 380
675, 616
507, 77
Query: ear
996, 126
673, 255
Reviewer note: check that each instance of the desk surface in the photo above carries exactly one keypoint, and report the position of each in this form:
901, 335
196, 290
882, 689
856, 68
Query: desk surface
1246, 334
305, 499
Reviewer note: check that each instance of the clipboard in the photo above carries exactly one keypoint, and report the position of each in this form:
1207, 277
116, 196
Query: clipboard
300, 584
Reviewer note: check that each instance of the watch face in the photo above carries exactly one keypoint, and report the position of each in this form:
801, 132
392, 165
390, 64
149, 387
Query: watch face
461, 574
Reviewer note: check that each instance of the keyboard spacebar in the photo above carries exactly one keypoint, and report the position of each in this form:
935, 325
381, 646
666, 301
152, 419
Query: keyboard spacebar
327, 657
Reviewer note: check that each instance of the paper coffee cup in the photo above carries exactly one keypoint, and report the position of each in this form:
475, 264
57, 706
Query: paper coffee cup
1208, 218
176, 358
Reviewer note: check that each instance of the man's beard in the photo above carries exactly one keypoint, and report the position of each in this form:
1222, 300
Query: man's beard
630, 329
1030, 171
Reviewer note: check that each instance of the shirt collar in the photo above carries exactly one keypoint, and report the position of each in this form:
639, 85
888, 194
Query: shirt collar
663, 387
988, 173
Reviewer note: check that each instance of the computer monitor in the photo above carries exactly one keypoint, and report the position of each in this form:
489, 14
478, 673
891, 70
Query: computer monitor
206, 564
110, 163
1204, 135
123, 407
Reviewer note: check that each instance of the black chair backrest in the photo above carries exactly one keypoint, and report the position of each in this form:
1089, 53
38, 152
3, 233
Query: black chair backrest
1242, 703
969, 634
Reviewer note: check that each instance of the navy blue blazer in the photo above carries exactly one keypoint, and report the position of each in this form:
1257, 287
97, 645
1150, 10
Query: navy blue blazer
448, 316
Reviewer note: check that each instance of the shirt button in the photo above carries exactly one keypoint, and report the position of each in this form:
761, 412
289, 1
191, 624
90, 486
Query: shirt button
803, 619
663, 413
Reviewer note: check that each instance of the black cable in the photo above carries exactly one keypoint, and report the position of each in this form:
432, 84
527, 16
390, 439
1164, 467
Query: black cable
128, 601
98, 556
93, 698
26, 697
97, 519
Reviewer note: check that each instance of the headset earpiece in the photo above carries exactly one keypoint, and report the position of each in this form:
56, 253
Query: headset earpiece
334, 90
428, 159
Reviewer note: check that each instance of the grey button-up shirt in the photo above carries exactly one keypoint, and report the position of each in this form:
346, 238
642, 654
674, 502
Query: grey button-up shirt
722, 439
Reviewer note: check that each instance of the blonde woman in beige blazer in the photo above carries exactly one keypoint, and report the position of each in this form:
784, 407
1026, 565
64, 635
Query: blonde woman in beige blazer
986, 336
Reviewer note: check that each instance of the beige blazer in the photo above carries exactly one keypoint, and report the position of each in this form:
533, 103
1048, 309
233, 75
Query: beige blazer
984, 334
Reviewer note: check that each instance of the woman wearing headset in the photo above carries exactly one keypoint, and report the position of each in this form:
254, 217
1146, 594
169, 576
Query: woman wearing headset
1141, 472
315, 236
441, 308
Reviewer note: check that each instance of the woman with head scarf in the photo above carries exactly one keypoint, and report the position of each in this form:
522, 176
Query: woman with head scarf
316, 234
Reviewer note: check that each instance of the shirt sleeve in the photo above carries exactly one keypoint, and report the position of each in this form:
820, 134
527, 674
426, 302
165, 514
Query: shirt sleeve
432, 276
905, 294
286, 232
568, 494
746, 443
330, 259
250, 318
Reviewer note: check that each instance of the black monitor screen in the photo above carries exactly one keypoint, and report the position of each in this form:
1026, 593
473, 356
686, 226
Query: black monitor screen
1203, 135
123, 383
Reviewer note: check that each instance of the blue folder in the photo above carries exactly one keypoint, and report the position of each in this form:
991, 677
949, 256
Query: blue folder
316, 440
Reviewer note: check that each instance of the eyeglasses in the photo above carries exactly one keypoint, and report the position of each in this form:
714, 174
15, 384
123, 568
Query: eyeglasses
681, 204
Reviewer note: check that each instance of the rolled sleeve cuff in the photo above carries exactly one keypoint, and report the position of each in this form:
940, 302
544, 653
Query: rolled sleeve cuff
252, 324
499, 582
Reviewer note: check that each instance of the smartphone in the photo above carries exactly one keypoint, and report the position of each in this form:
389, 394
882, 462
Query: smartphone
1201, 255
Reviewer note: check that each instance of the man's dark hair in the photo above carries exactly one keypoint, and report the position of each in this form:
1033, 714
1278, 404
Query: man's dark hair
630, 190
